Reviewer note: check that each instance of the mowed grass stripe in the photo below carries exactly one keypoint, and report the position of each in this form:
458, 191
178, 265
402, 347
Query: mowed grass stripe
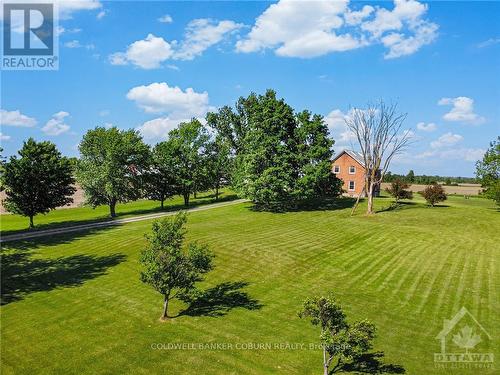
109, 321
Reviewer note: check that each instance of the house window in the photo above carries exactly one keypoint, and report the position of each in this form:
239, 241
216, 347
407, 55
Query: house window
352, 169
336, 169
351, 185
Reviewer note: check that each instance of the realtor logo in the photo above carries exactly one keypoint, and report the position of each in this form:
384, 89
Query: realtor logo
464, 343
29, 37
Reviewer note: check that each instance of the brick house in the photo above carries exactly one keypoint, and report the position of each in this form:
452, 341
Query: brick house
350, 168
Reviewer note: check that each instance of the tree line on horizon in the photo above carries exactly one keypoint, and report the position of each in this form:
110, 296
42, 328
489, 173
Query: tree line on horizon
412, 178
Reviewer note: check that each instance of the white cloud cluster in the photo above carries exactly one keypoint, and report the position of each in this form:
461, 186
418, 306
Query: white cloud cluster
462, 110
297, 29
446, 140
4, 137
16, 118
159, 97
152, 51
56, 125
430, 127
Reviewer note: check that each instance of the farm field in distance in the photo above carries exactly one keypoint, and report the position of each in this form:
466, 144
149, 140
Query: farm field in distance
74, 303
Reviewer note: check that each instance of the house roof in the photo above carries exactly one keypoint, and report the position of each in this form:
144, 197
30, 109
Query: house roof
353, 154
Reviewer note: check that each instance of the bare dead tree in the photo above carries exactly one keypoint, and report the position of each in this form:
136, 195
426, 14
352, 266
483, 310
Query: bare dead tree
378, 131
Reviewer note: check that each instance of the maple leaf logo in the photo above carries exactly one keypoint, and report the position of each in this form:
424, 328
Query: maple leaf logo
466, 338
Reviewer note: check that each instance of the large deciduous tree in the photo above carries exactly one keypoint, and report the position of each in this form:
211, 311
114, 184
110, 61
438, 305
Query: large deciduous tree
169, 267
218, 163
159, 182
184, 150
488, 171
37, 181
112, 166
378, 130
340, 340
281, 157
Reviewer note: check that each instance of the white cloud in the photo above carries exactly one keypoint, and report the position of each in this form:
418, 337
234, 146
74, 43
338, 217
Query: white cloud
467, 154
489, 42
67, 8
101, 14
104, 112
430, 127
158, 97
336, 119
356, 17
294, 29
16, 118
148, 53
201, 34
447, 140
76, 44
108, 125
4, 137
165, 19
73, 44
462, 110
158, 128
56, 125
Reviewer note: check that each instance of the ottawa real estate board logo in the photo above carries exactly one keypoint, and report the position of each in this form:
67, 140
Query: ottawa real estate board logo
465, 344
29, 39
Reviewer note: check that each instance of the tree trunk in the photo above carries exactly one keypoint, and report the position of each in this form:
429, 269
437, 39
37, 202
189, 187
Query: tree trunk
369, 209
357, 201
31, 222
186, 199
112, 207
194, 193
161, 203
164, 316
217, 192
325, 362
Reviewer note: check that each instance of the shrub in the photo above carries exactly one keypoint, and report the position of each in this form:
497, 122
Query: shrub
397, 190
433, 194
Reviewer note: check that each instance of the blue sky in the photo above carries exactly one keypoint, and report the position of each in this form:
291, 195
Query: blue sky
150, 65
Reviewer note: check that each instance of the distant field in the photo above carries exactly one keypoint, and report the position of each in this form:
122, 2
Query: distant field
463, 189
73, 304
10, 224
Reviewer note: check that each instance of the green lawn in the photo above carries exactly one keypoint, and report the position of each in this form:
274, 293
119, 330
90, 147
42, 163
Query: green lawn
74, 304
10, 224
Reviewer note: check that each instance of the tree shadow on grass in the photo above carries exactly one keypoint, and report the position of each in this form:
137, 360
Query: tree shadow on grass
53, 239
325, 204
22, 275
220, 299
400, 206
370, 363
200, 201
